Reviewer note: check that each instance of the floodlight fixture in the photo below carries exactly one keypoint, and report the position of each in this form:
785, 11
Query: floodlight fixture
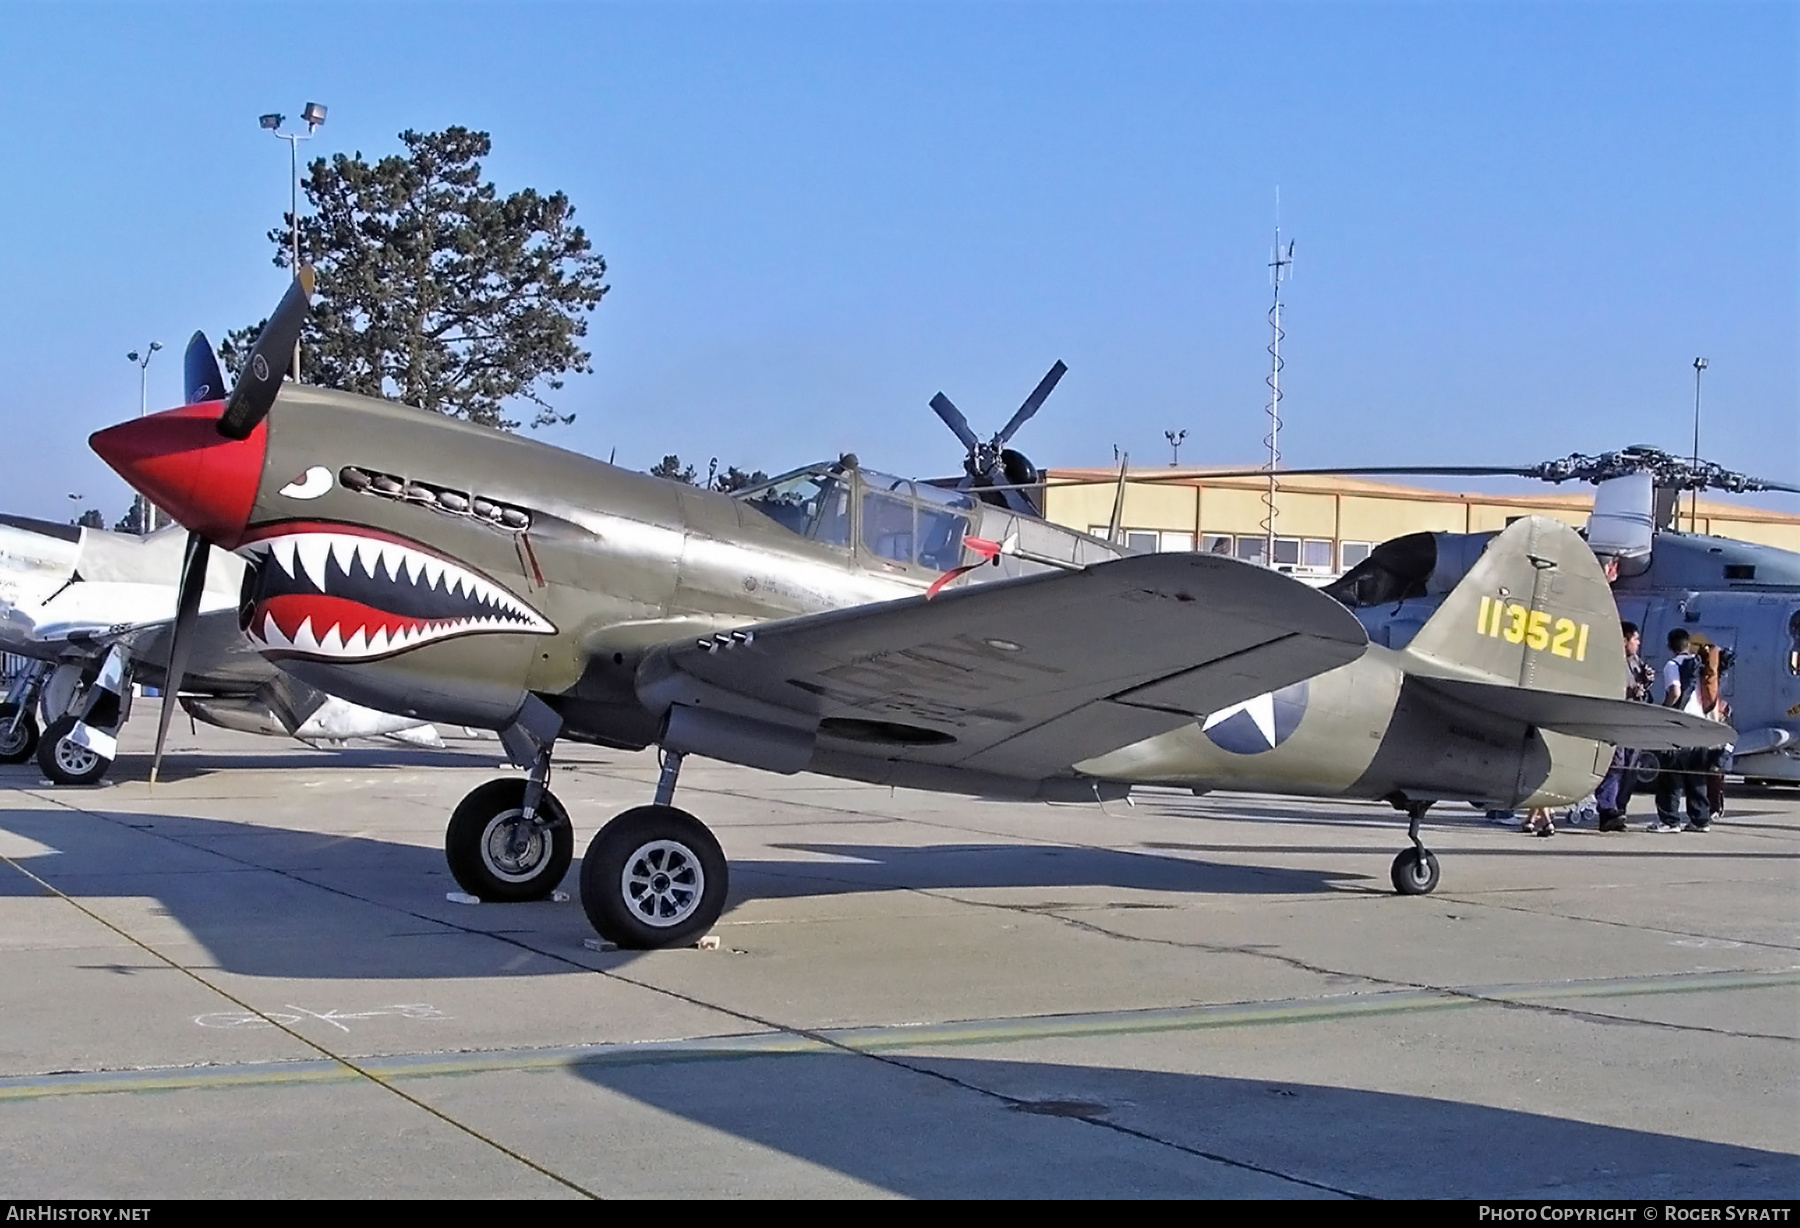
272, 120
314, 114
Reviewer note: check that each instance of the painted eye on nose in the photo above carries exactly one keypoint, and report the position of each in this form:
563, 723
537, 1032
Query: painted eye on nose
309, 485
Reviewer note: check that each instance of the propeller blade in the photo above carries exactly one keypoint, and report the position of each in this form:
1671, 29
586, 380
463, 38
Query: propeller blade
200, 377
953, 418
269, 358
181, 639
1032, 403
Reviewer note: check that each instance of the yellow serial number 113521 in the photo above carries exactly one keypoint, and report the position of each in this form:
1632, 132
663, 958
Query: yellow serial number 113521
1516, 624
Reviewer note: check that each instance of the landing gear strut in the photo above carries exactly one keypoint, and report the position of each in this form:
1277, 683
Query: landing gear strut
654, 876
1415, 870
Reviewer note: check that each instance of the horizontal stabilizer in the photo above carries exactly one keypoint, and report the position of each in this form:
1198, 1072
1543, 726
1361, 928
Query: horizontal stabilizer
1618, 722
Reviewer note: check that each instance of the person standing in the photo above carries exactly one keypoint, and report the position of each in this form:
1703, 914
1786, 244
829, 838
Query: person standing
1681, 784
1613, 796
1714, 661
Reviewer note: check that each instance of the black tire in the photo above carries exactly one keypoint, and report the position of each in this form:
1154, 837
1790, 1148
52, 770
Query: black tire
66, 762
1415, 872
654, 877
476, 845
24, 739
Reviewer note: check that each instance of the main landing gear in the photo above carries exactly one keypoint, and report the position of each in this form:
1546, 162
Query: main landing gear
1415, 870
653, 877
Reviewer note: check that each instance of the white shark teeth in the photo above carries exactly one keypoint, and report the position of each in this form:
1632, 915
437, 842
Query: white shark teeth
313, 550
282, 551
303, 636
272, 634
319, 554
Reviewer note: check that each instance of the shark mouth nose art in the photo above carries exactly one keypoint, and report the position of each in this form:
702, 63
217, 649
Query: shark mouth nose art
334, 593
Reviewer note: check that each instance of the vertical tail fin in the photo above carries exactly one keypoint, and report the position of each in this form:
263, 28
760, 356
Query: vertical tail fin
1532, 633
1535, 611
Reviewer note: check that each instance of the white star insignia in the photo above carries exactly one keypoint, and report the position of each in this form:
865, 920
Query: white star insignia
1261, 711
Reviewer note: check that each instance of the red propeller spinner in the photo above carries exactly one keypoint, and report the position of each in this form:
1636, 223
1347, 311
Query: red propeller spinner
182, 464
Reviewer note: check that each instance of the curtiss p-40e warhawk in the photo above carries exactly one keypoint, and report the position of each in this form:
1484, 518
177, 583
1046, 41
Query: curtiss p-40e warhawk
835, 621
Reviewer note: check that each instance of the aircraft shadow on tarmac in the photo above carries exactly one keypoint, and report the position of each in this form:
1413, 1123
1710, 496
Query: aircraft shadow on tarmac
964, 1127
270, 901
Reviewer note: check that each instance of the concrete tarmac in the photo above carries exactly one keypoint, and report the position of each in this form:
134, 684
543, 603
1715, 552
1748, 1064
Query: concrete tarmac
248, 981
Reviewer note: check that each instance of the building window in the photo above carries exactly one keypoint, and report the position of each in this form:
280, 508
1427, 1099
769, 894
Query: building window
1316, 554
1352, 553
1287, 552
1140, 541
1251, 549
1216, 543
1177, 541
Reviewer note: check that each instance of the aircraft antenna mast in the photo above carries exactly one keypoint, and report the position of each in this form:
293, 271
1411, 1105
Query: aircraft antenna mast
1280, 269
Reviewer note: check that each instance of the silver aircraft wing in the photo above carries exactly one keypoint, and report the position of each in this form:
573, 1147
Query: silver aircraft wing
1018, 678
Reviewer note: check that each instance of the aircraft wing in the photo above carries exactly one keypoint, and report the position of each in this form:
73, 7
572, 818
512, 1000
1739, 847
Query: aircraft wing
221, 658
1019, 678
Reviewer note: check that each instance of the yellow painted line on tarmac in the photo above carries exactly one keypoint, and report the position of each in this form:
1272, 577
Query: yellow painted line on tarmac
876, 1039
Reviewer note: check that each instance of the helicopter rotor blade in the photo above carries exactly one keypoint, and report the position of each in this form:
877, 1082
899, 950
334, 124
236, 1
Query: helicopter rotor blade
1032, 403
953, 418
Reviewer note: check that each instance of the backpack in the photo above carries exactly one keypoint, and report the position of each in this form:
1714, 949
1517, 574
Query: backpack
1689, 701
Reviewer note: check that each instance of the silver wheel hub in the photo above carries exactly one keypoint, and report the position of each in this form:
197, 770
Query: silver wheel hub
506, 856
663, 883
75, 759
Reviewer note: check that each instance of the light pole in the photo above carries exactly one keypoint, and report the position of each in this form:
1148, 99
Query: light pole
313, 116
1694, 503
143, 366
1174, 438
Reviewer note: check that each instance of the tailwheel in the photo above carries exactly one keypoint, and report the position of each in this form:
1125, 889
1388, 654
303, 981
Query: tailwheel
653, 877
66, 761
497, 854
17, 741
1415, 872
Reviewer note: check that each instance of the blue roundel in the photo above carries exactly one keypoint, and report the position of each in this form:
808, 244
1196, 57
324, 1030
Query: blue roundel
1259, 724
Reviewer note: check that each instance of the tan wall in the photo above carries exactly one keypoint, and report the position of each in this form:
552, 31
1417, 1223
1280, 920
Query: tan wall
1359, 512
1485, 517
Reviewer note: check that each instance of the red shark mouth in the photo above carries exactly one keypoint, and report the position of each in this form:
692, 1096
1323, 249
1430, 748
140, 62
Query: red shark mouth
332, 592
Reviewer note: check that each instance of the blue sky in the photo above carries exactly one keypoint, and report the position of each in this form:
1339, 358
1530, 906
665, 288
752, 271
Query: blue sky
1517, 225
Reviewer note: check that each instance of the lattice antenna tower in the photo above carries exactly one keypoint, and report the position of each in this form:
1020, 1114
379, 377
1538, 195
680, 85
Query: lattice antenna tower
1280, 269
